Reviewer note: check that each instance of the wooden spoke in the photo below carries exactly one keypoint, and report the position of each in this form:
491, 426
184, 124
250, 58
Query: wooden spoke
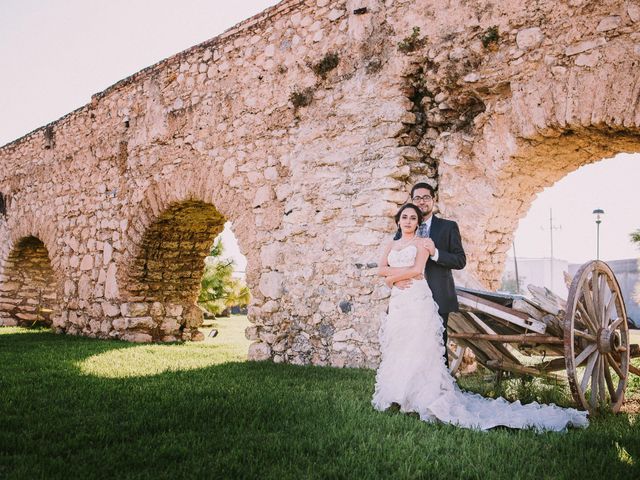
611, 361
616, 324
585, 353
595, 383
602, 289
585, 335
610, 306
602, 393
455, 357
610, 386
595, 292
587, 372
584, 316
588, 303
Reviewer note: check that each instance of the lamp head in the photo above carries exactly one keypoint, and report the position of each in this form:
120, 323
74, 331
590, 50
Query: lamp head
598, 212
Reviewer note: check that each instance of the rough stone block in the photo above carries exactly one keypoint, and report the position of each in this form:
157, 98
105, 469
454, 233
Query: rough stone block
271, 284
146, 323
259, 351
134, 309
529, 38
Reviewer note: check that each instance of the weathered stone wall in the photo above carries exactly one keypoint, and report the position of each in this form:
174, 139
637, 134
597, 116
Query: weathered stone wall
304, 126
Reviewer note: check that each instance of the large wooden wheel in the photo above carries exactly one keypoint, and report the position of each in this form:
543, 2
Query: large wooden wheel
596, 339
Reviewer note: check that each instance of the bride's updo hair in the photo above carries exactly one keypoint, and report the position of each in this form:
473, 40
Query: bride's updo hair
402, 209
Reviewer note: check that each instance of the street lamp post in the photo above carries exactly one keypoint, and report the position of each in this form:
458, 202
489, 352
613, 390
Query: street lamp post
598, 212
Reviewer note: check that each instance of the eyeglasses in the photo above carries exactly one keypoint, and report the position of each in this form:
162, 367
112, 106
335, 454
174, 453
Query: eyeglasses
426, 198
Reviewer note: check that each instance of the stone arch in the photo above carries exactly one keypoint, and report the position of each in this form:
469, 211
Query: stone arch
21, 224
168, 237
31, 283
29, 292
528, 142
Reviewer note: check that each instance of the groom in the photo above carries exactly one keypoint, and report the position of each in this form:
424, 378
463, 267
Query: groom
442, 239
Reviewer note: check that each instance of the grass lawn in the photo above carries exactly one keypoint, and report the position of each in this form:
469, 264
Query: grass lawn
74, 407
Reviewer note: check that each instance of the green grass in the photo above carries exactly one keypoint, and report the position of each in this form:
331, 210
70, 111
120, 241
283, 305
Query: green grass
74, 407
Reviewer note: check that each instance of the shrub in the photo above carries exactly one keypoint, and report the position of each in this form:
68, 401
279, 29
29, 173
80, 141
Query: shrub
413, 42
301, 98
328, 63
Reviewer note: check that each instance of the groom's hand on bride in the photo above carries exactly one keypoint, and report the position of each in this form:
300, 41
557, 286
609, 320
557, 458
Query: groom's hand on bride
429, 245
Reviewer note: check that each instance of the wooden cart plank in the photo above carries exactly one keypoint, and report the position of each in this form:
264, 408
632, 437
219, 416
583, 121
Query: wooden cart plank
524, 306
464, 322
483, 348
473, 303
507, 350
551, 366
547, 300
525, 338
517, 368
499, 326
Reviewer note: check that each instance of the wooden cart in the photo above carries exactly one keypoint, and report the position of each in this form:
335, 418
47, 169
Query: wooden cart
586, 336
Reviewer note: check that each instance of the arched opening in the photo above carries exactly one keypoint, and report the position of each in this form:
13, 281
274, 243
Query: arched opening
497, 197
560, 232
224, 295
164, 280
223, 289
28, 293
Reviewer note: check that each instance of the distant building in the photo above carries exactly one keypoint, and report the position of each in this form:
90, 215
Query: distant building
541, 272
544, 273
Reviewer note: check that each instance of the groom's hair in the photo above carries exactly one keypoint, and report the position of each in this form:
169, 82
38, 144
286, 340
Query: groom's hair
403, 208
423, 185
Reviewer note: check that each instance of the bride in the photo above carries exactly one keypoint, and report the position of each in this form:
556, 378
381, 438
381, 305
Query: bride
412, 372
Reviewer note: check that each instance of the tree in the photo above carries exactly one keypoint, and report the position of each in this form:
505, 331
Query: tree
220, 290
509, 284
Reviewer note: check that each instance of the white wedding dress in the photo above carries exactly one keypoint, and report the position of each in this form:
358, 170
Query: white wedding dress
413, 373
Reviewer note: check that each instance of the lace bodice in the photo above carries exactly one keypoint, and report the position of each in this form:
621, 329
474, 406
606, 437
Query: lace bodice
404, 257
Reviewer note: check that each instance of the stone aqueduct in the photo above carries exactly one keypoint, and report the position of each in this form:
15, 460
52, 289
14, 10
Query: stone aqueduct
304, 126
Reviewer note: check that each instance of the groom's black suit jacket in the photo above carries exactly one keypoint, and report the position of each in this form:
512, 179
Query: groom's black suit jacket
446, 236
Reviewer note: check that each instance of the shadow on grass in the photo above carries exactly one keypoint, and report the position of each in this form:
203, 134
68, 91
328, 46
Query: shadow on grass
247, 420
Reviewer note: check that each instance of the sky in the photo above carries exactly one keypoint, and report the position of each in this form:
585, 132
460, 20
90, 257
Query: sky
611, 185
55, 55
